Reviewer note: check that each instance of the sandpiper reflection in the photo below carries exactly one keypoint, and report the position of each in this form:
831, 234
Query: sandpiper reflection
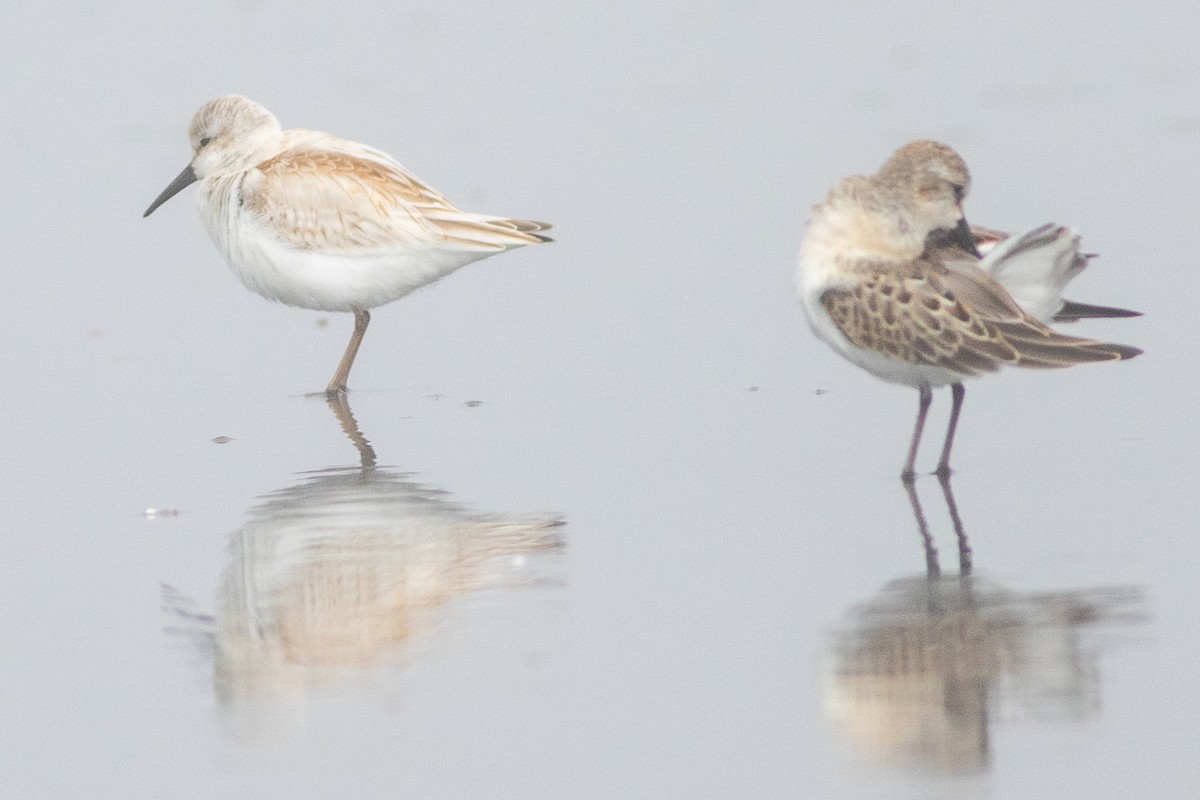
925, 668
348, 569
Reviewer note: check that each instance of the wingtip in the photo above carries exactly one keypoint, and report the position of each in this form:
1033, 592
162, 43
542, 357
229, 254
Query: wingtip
1126, 352
533, 228
1072, 311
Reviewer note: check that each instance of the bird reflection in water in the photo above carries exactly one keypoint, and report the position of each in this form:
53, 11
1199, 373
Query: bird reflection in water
347, 569
928, 665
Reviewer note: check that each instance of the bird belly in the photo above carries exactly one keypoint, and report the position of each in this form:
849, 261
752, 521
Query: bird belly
895, 370
338, 281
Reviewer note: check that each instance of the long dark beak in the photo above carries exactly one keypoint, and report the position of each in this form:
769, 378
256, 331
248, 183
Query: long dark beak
962, 236
186, 178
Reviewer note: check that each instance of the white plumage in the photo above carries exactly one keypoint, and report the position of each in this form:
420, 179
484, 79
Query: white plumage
314, 221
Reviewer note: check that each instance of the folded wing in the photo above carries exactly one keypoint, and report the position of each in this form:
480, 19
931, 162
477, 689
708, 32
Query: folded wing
315, 195
955, 317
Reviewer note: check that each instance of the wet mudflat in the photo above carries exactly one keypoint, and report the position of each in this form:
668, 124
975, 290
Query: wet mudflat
600, 518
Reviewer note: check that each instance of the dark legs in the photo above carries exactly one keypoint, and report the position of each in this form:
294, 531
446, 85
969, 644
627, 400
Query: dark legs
338, 384
957, 394
908, 473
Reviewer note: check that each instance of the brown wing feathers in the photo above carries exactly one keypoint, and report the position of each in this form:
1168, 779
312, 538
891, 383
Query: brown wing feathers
343, 207
920, 320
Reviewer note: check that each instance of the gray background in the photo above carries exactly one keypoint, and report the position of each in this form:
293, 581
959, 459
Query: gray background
720, 541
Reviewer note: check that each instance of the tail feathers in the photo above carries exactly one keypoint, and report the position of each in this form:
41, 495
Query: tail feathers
1073, 312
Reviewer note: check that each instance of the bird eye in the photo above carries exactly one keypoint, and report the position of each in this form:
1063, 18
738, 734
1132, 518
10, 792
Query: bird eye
204, 142
959, 191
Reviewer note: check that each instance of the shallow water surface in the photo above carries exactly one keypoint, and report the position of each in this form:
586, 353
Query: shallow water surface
600, 518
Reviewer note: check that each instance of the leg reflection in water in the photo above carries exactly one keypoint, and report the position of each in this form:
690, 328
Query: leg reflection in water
922, 671
345, 417
349, 574
932, 567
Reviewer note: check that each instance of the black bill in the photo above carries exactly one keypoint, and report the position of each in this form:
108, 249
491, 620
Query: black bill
962, 237
185, 178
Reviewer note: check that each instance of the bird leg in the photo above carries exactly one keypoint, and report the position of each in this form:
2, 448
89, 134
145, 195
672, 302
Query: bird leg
922, 409
957, 393
338, 384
